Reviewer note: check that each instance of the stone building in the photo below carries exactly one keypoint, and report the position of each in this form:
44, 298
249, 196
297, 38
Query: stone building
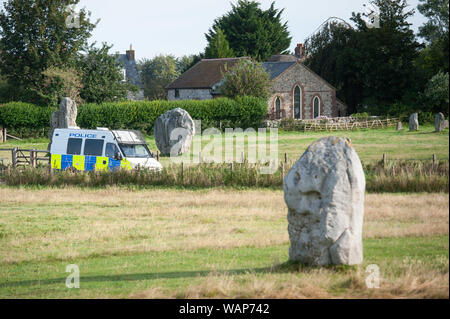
297, 92
130, 73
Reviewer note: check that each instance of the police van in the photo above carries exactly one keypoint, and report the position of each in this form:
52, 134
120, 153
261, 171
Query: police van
100, 149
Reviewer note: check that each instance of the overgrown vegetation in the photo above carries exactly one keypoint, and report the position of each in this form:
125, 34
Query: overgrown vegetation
402, 176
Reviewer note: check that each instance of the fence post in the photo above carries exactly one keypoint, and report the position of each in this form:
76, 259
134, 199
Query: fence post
14, 157
384, 160
32, 158
50, 169
231, 170
182, 172
200, 158
285, 158
5, 135
157, 156
242, 157
434, 159
1, 134
282, 171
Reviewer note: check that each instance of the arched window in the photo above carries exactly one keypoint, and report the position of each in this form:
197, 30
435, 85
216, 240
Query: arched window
316, 107
297, 103
278, 108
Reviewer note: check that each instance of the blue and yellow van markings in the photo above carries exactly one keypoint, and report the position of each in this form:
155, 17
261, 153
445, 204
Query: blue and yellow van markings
88, 163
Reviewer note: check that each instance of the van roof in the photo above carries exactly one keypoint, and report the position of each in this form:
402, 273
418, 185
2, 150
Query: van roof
122, 136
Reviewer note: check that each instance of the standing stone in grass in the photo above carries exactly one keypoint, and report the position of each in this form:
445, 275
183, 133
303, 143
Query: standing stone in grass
414, 122
439, 122
324, 192
399, 126
65, 117
174, 131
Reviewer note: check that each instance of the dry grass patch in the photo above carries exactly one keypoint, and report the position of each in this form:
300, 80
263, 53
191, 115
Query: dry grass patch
70, 223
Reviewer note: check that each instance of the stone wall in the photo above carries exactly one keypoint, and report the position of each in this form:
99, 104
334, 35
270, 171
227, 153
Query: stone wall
190, 94
311, 86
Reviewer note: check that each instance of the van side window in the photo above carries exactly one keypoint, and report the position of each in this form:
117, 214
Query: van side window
111, 150
93, 147
74, 146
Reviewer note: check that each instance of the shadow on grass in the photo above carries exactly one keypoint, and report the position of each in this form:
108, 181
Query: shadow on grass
287, 267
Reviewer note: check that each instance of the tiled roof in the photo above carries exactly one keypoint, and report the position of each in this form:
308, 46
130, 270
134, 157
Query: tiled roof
205, 74
276, 68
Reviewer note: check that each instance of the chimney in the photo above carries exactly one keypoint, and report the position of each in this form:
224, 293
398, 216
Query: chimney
130, 53
300, 51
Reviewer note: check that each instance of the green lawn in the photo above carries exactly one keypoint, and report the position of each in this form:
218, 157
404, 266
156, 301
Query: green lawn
207, 243
174, 272
370, 144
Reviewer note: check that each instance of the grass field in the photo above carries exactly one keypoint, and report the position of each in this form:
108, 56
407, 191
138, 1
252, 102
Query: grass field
370, 144
206, 244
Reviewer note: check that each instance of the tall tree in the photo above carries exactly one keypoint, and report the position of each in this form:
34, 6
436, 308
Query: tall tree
218, 46
101, 76
376, 64
435, 57
156, 74
38, 34
252, 31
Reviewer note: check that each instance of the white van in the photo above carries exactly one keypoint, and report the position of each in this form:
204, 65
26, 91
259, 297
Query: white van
100, 149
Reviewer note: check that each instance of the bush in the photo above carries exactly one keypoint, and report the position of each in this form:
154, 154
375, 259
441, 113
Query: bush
242, 112
25, 119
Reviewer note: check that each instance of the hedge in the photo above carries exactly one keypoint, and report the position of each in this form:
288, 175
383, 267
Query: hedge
25, 120
241, 112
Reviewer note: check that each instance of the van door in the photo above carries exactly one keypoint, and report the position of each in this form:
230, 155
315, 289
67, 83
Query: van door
93, 152
111, 150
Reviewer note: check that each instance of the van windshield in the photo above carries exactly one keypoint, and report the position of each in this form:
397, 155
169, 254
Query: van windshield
135, 150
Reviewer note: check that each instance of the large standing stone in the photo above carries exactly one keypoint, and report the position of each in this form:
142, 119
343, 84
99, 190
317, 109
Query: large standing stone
65, 117
324, 192
414, 122
174, 131
439, 122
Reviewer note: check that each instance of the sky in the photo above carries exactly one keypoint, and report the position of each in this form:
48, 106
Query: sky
177, 27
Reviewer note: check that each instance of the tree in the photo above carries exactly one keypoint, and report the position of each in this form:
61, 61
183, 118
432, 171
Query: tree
252, 31
332, 53
185, 63
435, 57
436, 95
218, 46
60, 83
246, 78
156, 74
36, 35
437, 12
376, 65
101, 76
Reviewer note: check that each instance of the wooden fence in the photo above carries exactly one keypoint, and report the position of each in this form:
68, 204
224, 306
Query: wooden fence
324, 125
25, 157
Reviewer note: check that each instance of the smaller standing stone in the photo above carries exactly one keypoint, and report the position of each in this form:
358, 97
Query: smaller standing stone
414, 122
399, 126
65, 117
439, 122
